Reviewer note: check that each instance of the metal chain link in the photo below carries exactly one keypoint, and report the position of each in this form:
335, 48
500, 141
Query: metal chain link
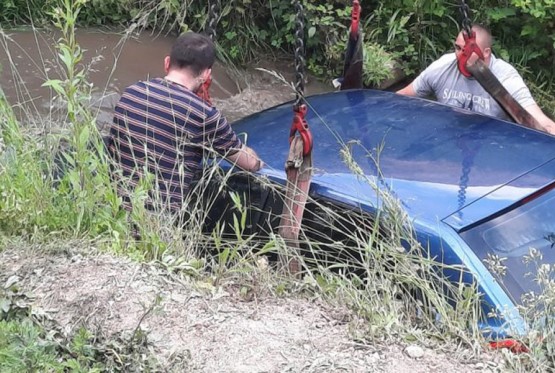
469, 151
300, 62
463, 182
213, 15
466, 20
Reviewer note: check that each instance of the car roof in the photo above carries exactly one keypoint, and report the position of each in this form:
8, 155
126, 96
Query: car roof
436, 159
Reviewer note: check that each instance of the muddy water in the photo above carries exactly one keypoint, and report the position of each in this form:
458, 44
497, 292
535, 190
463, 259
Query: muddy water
113, 61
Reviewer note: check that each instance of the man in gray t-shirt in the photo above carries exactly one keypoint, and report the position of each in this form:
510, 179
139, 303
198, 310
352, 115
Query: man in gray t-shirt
443, 80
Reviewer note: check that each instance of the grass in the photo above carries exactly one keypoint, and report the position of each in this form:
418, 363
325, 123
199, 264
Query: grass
384, 275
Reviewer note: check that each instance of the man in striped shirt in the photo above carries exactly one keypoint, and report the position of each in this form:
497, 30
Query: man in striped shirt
162, 128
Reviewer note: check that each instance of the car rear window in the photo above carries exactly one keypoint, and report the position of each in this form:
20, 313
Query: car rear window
507, 241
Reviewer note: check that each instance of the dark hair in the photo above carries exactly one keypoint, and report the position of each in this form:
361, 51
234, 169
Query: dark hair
193, 51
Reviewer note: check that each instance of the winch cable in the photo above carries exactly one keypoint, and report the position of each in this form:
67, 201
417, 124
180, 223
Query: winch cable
352, 67
213, 10
298, 166
481, 72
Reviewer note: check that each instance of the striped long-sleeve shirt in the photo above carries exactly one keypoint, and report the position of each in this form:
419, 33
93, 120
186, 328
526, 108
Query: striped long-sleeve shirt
163, 129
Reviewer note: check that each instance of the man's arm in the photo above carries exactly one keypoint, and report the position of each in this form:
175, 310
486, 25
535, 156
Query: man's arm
246, 158
545, 122
407, 91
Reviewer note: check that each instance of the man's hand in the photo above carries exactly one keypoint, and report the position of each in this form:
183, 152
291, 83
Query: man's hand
407, 91
247, 159
545, 122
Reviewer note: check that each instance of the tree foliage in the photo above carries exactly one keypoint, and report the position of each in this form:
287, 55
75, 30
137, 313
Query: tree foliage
413, 32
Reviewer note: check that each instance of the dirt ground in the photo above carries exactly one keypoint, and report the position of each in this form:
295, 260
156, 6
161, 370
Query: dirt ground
199, 328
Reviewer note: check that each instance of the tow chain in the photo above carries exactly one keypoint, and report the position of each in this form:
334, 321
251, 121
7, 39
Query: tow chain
213, 10
300, 125
481, 72
466, 21
298, 166
213, 15
300, 62
470, 45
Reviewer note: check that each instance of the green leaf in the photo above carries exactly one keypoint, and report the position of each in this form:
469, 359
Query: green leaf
66, 57
244, 291
243, 221
5, 305
224, 255
497, 14
311, 31
55, 84
529, 30
84, 137
236, 226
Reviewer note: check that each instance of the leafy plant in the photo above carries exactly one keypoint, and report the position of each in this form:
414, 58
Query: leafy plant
32, 344
377, 66
23, 348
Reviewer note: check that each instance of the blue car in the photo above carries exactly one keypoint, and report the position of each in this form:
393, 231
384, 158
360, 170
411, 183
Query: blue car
474, 187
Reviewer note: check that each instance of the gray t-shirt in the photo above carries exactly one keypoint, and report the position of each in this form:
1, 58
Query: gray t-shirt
444, 80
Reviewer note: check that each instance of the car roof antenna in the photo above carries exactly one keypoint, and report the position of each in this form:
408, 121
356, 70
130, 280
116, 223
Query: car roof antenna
298, 166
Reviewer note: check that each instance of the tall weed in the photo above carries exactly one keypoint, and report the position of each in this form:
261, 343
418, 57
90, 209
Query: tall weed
537, 308
60, 183
374, 263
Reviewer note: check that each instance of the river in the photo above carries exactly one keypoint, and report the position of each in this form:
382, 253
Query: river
113, 61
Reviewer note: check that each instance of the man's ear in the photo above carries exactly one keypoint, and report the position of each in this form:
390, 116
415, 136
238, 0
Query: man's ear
487, 53
206, 73
167, 64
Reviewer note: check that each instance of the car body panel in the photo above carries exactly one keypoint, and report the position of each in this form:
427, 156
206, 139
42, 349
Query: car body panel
443, 142
449, 168
515, 190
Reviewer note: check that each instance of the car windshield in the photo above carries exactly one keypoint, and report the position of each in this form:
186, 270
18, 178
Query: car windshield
517, 244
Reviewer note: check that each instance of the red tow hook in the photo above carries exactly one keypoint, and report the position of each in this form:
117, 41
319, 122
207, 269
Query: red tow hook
470, 47
516, 347
355, 19
301, 126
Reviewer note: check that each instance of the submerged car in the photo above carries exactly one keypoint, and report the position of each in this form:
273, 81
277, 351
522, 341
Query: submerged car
474, 187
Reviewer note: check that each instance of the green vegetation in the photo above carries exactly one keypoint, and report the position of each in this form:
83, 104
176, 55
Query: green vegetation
413, 33
395, 292
30, 342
